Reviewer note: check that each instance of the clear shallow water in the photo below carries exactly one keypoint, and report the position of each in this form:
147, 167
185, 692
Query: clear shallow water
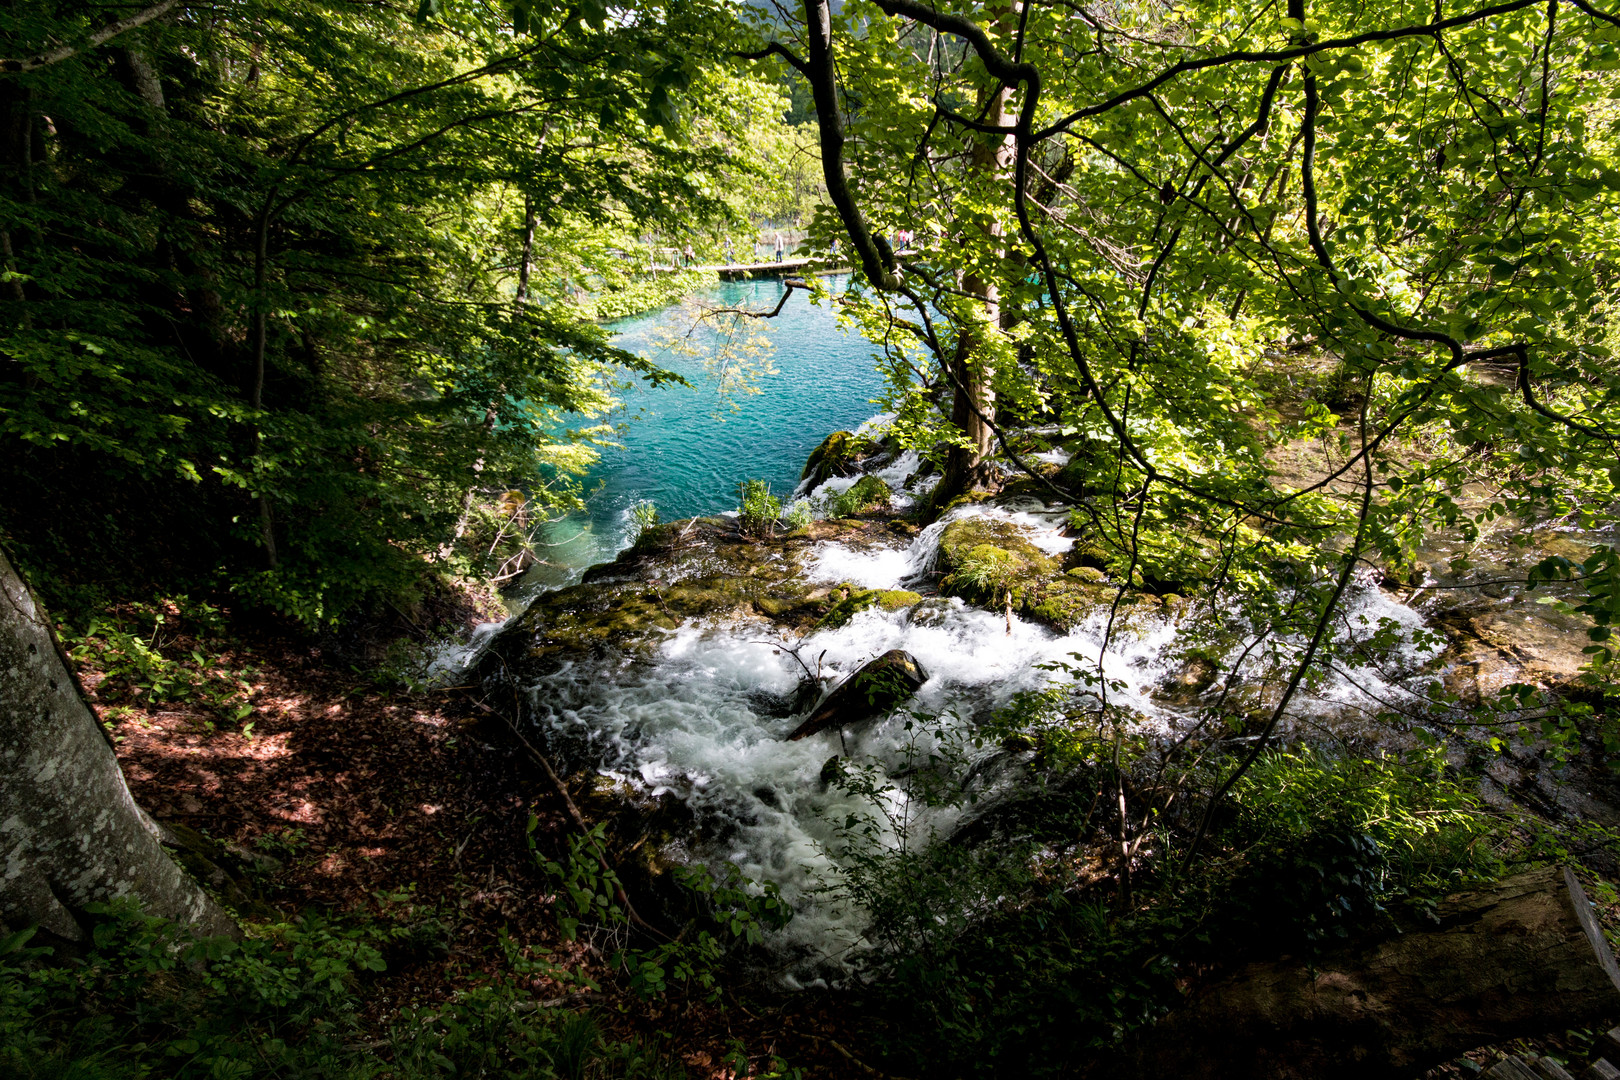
686, 451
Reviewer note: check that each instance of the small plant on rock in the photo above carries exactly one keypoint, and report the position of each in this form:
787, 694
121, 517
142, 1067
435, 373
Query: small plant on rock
986, 571
866, 494
798, 515
759, 509
644, 516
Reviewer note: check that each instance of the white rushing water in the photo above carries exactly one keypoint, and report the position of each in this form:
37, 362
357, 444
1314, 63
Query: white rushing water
704, 719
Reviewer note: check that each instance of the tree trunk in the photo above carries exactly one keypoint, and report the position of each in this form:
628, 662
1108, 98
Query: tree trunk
70, 833
526, 264
1521, 959
973, 408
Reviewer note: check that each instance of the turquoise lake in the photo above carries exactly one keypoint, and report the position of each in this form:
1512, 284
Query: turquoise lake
684, 449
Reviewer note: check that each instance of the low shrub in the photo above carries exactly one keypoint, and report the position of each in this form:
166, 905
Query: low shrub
865, 495
759, 510
143, 998
1003, 951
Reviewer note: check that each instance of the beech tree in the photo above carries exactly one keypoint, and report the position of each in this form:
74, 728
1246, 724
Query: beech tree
70, 833
301, 276
1421, 198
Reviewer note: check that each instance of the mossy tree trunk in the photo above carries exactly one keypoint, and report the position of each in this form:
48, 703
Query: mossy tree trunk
70, 832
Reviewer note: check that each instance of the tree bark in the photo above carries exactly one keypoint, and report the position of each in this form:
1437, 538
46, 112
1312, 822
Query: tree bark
70, 833
526, 263
1522, 959
973, 408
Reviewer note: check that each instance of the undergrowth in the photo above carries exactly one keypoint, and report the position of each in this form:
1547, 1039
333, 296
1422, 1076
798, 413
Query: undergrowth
142, 998
162, 653
1018, 947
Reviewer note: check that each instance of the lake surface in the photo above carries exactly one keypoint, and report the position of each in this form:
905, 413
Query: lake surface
686, 450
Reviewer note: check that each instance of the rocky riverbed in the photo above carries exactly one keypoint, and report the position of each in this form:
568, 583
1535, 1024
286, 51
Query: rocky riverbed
669, 681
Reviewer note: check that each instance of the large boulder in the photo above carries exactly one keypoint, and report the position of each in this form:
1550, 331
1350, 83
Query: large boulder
877, 688
840, 454
970, 541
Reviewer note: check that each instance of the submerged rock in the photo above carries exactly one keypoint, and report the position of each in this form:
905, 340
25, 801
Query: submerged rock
853, 601
1196, 675
877, 688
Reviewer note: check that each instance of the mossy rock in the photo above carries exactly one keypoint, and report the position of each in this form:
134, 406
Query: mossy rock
627, 613
975, 542
838, 455
1031, 580
878, 687
1064, 603
657, 539
778, 606
853, 601
1025, 488
969, 498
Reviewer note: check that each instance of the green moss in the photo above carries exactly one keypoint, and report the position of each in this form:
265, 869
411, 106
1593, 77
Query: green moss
982, 558
849, 601
777, 606
1063, 604
991, 562
837, 455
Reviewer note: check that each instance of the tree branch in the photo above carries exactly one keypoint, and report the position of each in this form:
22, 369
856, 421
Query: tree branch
105, 34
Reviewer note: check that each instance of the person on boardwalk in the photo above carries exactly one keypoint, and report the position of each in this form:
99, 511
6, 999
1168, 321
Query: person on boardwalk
731, 257
686, 254
833, 250
777, 239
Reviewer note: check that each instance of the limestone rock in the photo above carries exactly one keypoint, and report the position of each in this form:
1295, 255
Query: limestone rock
839, 454
849, 601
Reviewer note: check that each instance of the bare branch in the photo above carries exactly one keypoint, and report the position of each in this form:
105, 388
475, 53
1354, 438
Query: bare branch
105, 34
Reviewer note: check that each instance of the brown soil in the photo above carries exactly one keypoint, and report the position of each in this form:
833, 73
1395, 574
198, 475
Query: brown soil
359, 791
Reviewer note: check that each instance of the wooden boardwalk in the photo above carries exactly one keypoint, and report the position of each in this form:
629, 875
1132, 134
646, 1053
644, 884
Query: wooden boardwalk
745, 271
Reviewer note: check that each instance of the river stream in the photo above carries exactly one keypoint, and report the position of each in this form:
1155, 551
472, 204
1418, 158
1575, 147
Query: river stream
694, 710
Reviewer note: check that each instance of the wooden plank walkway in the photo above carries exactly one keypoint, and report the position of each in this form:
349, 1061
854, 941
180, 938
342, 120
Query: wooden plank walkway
744, 271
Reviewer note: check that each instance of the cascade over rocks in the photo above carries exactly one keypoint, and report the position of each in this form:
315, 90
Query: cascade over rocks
675, 670
877, 688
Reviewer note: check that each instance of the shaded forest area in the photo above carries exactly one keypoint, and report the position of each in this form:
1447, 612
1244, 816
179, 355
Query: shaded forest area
301, 325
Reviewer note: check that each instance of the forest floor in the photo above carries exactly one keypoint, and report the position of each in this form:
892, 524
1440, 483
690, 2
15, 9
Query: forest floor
355, 800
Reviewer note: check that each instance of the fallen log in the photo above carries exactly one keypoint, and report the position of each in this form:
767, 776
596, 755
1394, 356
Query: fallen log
1520, 959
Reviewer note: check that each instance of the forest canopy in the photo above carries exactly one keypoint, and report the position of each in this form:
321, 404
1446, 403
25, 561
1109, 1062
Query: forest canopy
297, 276
1126, 220
310, 273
